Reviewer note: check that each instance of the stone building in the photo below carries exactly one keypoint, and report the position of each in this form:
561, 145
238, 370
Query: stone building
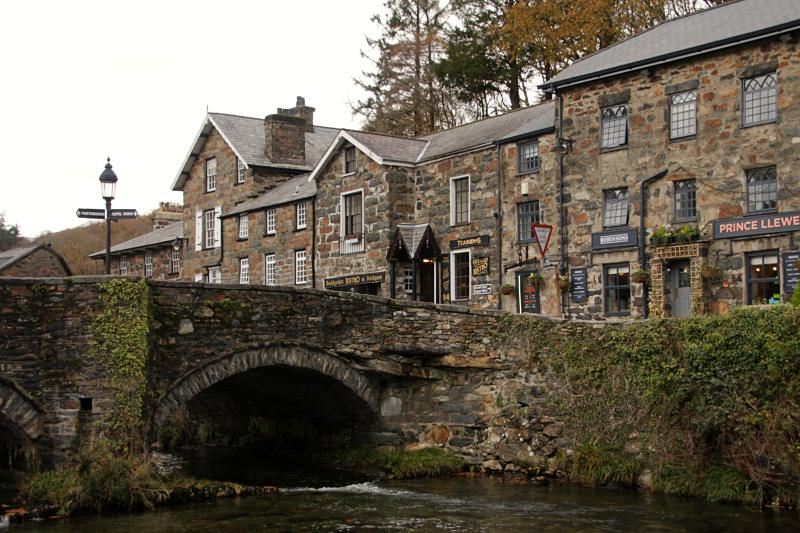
158, 254
35, 261
441, 218
235, 160
695, 124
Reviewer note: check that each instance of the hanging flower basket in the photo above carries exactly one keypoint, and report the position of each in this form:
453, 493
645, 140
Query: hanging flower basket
687, 234
640, 276
563, 283
662, 236
536, 277
711, 273
507, 289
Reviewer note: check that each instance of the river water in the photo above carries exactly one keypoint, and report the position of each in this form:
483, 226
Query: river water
451, 504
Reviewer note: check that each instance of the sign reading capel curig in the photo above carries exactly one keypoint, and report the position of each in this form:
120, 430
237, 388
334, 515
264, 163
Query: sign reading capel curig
757, 225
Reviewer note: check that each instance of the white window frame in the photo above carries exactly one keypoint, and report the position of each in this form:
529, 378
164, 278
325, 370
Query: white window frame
408, 280
211, 174
209, 228
175, 261
300, 277
271, 217
244, 231
148, 264
123, 265
301, 215
453, 200
467, 251
344, 161
215, 275
244, 271
357, 244
240, 171
270, 269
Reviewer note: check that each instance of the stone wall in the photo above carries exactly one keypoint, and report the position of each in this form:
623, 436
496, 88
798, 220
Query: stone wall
40, 263
718, 157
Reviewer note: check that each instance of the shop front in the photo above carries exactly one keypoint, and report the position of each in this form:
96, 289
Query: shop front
367, 283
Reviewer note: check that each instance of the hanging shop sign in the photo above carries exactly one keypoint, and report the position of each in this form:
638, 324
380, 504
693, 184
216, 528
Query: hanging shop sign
445, 281
791, 272
620, 238
578, 284
469, 242
542, 232
482, 289
527, 294
757, 225
480, 266
354, 279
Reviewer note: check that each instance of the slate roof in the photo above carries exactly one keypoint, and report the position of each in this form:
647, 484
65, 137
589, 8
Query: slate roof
391, 148
246, 137
724, 25
296, 188
155, 238
12, 256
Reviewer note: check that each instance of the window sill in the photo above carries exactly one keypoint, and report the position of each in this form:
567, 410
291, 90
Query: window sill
763, 123
613, 228
460, 225
237, 183
685, 220
347, 174
240, 239
613, 149
210, 191
528, 172
677, 140
300, 229
270, 234
761, 212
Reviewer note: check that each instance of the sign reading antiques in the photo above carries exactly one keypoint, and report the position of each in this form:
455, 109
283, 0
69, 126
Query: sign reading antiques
757, 225
480, 266
469, 242
620, 238
580, 291
791, 272
355, 279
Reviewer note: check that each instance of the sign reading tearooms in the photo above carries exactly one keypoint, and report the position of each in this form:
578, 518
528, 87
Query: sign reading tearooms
619, 238
757, 225
469, 242
355, 279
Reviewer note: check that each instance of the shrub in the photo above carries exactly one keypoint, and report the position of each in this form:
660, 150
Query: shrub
400, 464
796, 296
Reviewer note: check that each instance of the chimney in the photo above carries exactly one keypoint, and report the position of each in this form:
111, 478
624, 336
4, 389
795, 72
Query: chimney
166, 214
284, 133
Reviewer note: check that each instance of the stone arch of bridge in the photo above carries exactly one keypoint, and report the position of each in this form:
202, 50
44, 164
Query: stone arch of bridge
21, 424
231, 365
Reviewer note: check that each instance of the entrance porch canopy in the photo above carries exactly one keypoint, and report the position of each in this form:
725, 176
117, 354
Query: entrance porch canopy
412, 242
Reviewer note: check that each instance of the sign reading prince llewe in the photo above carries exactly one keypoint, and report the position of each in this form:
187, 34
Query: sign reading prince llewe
757, 225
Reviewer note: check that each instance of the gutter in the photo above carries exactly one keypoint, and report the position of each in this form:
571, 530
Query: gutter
642, 254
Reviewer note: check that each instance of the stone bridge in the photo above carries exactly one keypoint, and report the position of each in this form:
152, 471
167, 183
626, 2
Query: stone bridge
406, 373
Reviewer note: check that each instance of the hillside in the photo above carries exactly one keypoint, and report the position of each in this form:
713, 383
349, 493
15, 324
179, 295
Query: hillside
75, 244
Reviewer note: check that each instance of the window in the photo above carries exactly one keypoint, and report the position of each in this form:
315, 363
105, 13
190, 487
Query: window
244, 231
270, 224
683, 115
762, 189
209, 228
148, 263
528, 160
614, 126
685, 200
300, 267
760, 99
123, 265
301, 215
214, 275
270, 277
175, 262
349, 160
459, 201
615, 208
352, 225
617, 289
240, 170
211, 174
408, 280
763, 278
460, 263
244, 270
527, 214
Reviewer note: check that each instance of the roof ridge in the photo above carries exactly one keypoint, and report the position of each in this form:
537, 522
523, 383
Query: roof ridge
384, 135
484, 119
660, 24
257, 118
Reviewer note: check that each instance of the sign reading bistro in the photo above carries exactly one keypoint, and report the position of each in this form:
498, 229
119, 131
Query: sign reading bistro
355, 279
757, 225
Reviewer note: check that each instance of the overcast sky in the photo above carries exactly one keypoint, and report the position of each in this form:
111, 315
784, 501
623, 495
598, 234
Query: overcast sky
84, 80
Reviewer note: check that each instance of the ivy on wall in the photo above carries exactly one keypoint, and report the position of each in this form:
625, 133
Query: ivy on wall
120, 339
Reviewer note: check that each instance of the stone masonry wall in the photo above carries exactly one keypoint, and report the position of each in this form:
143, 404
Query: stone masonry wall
40, 263
718, 157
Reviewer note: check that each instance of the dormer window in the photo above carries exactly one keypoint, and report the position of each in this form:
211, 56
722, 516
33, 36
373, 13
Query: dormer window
240, 169
211, 174
350, 160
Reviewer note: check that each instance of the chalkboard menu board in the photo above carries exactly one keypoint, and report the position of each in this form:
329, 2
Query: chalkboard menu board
578, 284
791, 272
527, 294
445, 281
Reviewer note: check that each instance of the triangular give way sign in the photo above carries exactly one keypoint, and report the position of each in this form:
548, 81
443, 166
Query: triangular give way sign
542, 232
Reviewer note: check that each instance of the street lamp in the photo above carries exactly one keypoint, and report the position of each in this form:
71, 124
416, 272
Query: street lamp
108, 185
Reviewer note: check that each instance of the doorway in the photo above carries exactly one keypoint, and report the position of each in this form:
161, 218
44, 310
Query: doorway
680, 289
427, 280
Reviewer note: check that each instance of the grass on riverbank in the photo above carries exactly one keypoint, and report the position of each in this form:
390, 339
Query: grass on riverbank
399, 464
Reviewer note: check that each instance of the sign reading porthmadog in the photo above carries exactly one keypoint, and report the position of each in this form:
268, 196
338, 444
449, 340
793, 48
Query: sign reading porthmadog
757, 225
791, 272
620, 238
578, 280
355, 279
480, 266
91, 213
469, 242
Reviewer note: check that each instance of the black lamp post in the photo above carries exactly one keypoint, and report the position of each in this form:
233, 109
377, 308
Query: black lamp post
108, 185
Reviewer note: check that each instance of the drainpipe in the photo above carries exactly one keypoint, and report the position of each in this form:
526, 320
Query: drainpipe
499, 225
642, 254
314, 242
562, 229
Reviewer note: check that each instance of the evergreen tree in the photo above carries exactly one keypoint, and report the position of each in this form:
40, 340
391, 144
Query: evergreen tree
9, 235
